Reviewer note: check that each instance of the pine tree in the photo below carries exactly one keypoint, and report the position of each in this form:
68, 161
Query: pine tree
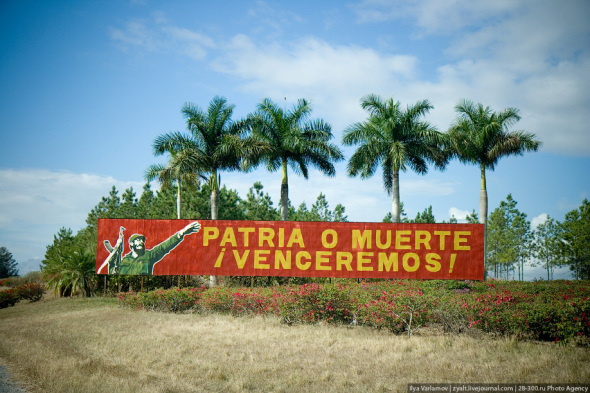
7, 264
546, 245
576, 238
258, 205
426, 217
509, 239
128, 208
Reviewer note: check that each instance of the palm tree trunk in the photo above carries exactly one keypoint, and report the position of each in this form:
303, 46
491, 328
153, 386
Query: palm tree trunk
284, 193
483, 198
395, 203
483, 212
178, 201
214, 213
214, 204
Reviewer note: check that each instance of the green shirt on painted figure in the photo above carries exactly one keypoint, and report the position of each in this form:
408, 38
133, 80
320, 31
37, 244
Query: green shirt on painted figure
145, 264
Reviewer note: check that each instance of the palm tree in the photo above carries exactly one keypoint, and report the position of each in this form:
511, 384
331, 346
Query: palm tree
287, 138
396, 139
179, 170
214, 143
73, 270
480, 136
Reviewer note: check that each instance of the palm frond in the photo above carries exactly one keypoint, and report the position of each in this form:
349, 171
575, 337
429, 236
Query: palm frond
480, 136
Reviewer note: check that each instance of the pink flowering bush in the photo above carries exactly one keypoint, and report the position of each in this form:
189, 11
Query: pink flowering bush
551, 311
9, 298
27, 291
30, 291
312, 303
398, 311
240, 301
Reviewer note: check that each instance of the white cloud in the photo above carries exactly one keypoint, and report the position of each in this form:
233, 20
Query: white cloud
459, 214
44, 197
334, 77
532, 55
159, 36
540, 219
36, 203
552, 98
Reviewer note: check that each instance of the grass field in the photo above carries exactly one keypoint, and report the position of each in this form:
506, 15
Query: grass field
92, 345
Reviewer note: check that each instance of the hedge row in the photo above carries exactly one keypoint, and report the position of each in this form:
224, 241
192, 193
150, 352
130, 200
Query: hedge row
27, 291
556, 311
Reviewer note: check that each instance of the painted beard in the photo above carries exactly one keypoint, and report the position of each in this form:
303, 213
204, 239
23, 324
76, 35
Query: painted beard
139, 250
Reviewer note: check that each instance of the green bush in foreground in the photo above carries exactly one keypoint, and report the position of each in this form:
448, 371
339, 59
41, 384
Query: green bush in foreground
172, 300
551, 311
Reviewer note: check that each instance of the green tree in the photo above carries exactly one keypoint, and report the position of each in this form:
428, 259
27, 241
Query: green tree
576, 240
128, 207
320, 210
53, 262
73, 270
472, 218
229, 203
509, 238
163, 205
214, 143
547, 245
108, 207
480, 136
452, 220
145, 201
426, 217
402, 214
521, 229
288, 138
7, 264
339, 213
301, 213
396, 139
258, 206
179, 170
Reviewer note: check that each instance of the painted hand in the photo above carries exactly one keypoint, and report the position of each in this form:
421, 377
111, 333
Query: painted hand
193, 227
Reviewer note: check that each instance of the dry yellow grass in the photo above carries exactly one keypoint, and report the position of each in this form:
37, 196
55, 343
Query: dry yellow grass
78, 345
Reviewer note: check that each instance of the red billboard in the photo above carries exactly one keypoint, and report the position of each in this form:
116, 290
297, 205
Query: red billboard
291, 249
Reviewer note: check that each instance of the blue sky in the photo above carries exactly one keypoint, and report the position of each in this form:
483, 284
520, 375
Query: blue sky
87, 86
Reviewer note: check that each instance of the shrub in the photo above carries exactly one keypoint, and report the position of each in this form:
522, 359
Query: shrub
30, 291
172, 300
8, 282
552, 311
549, 311
218, 300
398, 312
9, 298
312, 303
241, 301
